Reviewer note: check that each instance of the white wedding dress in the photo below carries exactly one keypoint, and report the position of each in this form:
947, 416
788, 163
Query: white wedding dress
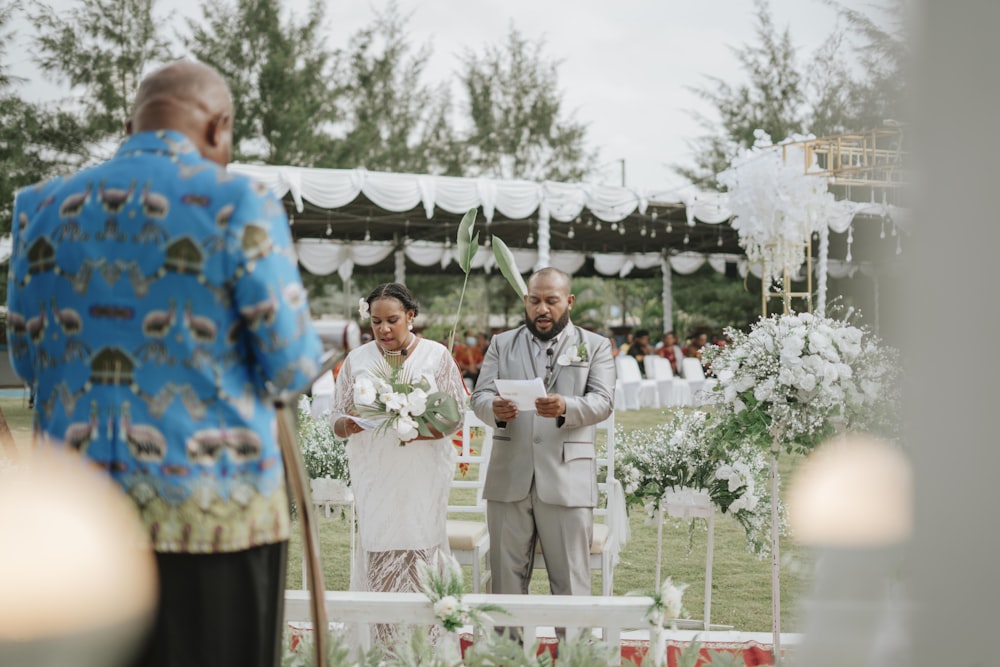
401, 491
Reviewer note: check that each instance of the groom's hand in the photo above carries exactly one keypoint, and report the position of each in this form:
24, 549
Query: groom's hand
504, 410
552, 405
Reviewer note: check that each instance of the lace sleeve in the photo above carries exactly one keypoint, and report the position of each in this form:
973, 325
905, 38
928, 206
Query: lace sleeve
343, 395
449, 380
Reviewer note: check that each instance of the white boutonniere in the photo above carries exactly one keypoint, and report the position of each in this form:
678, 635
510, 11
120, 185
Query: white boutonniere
576, 355
363, 309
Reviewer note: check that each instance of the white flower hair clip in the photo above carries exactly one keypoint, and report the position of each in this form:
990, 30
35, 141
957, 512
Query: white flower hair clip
363, 309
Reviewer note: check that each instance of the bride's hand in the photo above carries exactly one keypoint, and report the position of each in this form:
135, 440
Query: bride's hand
345, 427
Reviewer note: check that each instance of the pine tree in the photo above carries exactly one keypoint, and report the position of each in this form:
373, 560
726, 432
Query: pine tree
518, 127
395, 122
280, 74
100, 48
773, 100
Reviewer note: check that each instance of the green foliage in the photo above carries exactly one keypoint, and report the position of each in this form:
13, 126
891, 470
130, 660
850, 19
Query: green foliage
394, 121
279, 73
102, 48
772, 100
508, 267
519, 129
304, 653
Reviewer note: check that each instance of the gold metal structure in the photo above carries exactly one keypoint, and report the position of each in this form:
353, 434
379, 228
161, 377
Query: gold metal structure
874, 158
785, 293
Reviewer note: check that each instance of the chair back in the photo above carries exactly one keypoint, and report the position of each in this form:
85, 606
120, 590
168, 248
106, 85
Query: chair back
481, 458
693, 369
658, 367
628, 368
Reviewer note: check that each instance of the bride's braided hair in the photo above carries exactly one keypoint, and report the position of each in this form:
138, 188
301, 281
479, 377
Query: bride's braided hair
396, 291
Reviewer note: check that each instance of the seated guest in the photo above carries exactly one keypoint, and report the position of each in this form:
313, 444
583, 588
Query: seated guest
640, 348
671, 351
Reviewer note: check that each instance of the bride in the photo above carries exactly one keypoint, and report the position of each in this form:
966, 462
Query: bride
401, 490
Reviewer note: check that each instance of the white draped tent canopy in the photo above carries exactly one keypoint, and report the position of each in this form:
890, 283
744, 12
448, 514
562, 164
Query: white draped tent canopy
347, 218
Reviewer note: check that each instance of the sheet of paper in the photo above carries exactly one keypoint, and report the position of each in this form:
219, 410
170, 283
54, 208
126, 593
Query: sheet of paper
522, 392
367, 424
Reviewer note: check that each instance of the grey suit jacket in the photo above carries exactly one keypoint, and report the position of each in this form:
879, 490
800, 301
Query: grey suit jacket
558, 453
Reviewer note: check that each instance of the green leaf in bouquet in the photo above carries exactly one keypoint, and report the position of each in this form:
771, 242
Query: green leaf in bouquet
442, 413
468, 244
508, 266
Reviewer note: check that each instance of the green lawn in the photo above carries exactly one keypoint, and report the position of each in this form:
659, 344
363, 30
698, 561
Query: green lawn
741, 584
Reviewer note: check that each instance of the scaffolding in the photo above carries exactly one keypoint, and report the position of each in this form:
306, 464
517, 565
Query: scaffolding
874, 159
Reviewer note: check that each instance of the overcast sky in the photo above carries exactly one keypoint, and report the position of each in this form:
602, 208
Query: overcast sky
626, 65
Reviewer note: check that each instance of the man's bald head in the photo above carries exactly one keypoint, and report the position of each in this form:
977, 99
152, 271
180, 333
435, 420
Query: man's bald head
191, 98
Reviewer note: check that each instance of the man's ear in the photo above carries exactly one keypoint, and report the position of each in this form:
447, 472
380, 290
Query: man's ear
217, 127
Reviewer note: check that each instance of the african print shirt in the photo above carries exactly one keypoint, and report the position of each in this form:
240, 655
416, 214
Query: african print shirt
153, 302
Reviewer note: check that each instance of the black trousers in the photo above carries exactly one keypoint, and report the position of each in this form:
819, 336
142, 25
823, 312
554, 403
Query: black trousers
217, 610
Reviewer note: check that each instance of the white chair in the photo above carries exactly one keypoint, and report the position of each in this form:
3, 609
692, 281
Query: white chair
674, 391
469, 540
694, 373
611, 535
639, 392
322, 395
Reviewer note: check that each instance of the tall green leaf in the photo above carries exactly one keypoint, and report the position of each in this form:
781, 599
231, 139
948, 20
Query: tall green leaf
468, 244
508, 266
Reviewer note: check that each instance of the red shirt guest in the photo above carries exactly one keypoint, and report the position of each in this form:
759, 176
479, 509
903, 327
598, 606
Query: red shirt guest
671, 351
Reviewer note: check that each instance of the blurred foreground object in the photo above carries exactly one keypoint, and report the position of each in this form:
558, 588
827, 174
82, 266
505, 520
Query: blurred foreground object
78, 581
854, 491
852, 501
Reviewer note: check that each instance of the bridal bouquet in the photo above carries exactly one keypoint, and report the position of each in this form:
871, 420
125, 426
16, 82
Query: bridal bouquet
797, 379
395, 399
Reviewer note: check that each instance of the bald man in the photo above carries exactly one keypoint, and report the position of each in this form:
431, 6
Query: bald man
154, 303
541, 483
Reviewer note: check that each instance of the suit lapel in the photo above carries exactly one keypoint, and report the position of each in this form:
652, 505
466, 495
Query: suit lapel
521, 350
571, 337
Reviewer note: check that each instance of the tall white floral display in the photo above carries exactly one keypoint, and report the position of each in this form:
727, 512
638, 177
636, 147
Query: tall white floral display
777, 207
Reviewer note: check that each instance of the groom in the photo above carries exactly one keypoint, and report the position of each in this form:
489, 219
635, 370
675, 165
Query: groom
541, 482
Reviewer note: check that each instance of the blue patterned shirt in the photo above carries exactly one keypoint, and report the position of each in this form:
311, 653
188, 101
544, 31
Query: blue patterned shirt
153, 302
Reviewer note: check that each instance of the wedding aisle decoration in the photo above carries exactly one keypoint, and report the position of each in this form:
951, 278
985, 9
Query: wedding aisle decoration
795, 380
776, 205
680, 462
324, 454
441, 580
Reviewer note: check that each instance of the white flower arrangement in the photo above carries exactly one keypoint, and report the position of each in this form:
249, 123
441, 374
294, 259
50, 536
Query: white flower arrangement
576, 355
681, 459
363, 309
795, 379
776, 204
324, 454
668, 604
441, 581
409, 405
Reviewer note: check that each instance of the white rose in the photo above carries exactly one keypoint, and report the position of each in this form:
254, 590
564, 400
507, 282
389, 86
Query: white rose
446, 606
806, 382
